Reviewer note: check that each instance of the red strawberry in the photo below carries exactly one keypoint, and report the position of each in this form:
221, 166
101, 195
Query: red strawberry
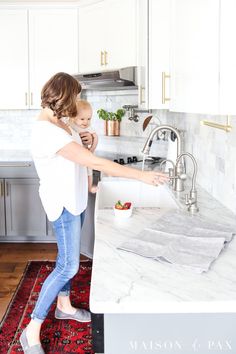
127, 205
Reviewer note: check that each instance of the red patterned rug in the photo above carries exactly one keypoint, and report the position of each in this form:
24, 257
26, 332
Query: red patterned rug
57, 336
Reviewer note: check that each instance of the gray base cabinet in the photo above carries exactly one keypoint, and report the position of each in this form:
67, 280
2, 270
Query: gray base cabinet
2, 209
24, 212
22, 217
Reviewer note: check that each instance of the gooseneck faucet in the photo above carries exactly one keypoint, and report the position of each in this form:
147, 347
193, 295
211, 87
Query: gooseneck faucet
178, 183
191, 199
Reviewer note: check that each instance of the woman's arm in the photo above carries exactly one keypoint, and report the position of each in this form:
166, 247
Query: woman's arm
84, 157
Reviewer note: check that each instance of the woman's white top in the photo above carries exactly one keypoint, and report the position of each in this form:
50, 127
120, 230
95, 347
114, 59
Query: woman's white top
63, 183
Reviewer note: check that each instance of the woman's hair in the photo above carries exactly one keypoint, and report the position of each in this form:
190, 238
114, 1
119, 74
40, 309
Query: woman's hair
60, 94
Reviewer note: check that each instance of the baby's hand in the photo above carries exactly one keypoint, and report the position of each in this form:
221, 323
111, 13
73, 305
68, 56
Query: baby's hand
87, 138
93, 189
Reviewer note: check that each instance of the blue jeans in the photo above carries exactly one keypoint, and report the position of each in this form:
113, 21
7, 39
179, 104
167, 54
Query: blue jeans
67, 229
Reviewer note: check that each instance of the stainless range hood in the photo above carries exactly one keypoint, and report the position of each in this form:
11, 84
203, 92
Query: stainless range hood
123, 79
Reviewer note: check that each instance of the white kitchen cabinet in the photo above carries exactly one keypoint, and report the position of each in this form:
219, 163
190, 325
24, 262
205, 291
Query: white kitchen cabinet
107, 35
159, 54
35, 44
227, 57
91, 36
120, 33
13, 59
195, 56
142, 57
153, 54
53, 47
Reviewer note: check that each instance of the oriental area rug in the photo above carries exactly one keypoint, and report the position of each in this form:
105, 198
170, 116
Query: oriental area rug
57, 336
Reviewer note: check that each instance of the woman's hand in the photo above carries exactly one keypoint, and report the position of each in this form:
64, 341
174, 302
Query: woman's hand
87, 138
153, 177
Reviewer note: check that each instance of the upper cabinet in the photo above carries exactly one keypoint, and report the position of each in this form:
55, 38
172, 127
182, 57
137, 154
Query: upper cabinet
159, 54
53, 47
13, 59
35, 44
195, 56
227, 57
112, 42
142, 57
154, 53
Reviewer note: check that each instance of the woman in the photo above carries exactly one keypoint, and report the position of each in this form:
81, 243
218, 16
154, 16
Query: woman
61, 164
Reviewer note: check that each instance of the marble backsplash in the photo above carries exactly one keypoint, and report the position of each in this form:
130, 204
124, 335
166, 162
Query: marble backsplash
215, 152
213, 149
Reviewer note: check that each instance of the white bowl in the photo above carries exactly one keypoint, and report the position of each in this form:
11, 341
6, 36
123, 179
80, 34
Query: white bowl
123, 213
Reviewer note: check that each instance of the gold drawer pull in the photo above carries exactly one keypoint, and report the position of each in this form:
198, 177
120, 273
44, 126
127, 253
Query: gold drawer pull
141, 95
164, 98
102, 58
106, 54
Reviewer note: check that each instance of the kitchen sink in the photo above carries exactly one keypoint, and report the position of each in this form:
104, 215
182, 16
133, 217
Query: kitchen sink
112, 189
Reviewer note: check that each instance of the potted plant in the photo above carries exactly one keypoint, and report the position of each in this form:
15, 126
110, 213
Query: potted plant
112, 121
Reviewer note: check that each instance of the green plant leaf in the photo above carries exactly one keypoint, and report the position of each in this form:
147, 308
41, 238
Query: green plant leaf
105, 115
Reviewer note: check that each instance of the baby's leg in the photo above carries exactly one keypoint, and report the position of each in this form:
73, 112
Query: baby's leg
92, 188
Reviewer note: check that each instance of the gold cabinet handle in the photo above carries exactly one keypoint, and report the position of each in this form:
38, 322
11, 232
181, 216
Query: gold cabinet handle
31, 98
102, 58
26, 98
164, 99
1, 189
106, 55
141, 91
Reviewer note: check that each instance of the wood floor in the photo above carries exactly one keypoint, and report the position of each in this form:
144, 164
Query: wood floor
13, 259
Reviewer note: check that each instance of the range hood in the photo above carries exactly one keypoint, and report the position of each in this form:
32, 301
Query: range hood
123, 79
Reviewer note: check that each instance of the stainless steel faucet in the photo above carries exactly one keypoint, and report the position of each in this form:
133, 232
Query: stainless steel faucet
178, 182
191, 199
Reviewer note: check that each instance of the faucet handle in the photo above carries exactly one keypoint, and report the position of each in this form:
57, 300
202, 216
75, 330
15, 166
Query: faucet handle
183, 176
186, 199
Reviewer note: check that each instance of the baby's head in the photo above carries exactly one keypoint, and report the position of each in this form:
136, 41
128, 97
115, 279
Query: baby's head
84, 114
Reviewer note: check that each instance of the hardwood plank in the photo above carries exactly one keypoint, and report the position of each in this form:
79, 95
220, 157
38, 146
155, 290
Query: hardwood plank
13, 260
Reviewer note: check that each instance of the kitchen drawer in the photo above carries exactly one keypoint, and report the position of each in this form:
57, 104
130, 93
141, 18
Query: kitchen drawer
17, 169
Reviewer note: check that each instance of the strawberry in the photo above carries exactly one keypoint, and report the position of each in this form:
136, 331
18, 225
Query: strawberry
127, 205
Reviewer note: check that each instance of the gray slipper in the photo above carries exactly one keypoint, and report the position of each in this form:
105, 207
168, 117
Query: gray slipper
81, 315
35, 349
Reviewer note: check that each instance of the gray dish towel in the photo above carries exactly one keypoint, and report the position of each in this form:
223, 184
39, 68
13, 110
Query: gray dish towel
177, 222
193, 253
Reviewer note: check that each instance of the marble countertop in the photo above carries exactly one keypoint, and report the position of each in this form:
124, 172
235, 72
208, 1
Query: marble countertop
123, 282
15, 155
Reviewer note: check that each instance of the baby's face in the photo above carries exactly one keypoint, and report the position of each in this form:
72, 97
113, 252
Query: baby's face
83, 118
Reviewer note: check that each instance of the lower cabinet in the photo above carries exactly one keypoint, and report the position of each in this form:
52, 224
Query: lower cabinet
2, 209
22, 216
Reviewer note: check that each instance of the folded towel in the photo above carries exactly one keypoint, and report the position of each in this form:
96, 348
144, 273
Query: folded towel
177, 222
193, 253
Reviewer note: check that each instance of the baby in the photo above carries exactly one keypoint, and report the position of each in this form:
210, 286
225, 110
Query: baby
80, 124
